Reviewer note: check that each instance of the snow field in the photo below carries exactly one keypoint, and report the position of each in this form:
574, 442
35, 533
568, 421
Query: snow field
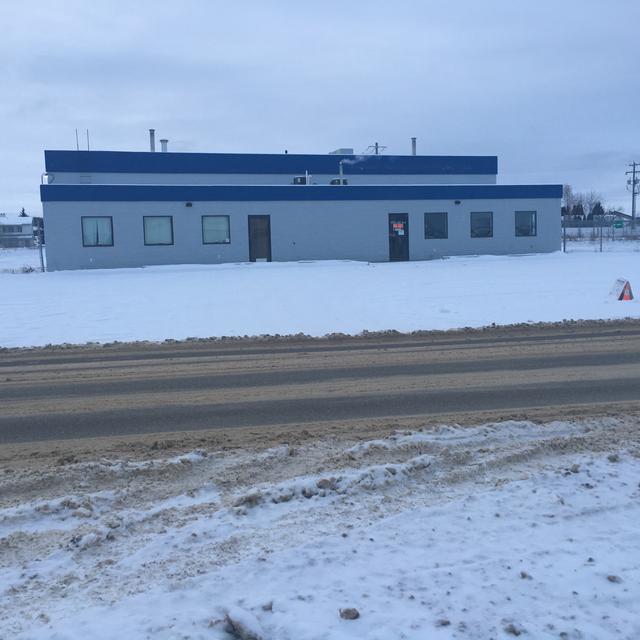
178, 302
18, 261
449, 533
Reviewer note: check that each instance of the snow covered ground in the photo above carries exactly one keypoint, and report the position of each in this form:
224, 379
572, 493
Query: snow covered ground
483, 532
314, 298
19, 260
608, 245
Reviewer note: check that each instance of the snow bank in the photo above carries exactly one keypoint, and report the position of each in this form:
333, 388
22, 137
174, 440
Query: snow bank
124, 467
446, 436
66, 514
443, 544
530, 557
178, 302
60, 514
349, 481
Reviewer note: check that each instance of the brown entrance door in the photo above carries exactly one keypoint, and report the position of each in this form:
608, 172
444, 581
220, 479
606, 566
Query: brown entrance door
260, 238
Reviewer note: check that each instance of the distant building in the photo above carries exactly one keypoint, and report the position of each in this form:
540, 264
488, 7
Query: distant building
106, 209
618, 215
18, 231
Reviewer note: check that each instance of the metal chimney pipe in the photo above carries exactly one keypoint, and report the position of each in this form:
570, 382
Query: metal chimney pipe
413, 146
163, 145
152, 139
341, 173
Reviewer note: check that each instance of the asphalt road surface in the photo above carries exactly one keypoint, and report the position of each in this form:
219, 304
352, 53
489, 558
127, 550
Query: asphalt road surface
142, 389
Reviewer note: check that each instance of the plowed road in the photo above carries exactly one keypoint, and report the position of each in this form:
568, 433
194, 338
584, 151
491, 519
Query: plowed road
138, 389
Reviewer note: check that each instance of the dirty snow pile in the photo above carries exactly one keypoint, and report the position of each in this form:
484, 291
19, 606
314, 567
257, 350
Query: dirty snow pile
496, 531
313, 298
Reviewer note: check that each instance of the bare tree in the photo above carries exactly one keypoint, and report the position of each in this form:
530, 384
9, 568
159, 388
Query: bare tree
576, 204
568, 198
591, 198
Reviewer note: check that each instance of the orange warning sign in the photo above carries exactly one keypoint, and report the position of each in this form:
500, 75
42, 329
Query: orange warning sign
626, 293
621, 289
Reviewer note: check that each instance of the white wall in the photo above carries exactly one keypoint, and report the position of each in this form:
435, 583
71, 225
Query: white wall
211, 178
352, 230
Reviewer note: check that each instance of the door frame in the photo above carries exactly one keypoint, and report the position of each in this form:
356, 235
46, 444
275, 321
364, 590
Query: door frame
252, 258
405, 220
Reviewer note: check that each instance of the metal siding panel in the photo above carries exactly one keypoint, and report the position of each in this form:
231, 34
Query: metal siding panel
299, 231
294, 164
230, 179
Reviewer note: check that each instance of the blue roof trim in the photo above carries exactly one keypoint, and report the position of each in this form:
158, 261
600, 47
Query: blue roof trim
239, 193
259, 163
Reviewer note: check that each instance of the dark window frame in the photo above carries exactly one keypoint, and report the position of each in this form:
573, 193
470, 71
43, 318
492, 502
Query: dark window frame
157, 244
215, 216
446, 225
535, 224
83, 218
471, 214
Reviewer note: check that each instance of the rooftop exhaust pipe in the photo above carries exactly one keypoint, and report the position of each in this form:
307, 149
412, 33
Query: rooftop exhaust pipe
163, 145
152, 139
413, 146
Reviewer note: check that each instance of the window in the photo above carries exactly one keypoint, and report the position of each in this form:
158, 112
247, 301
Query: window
97, 231
436, 226
526, 223
215, 230
482, 224
158, 230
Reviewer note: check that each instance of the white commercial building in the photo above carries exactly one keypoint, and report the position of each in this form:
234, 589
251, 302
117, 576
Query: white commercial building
126, 209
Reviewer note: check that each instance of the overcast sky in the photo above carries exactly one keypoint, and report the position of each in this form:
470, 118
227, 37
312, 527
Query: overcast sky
550, 86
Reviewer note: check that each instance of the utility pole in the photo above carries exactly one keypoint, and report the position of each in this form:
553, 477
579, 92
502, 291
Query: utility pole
601, 220
634, 183
39, 239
